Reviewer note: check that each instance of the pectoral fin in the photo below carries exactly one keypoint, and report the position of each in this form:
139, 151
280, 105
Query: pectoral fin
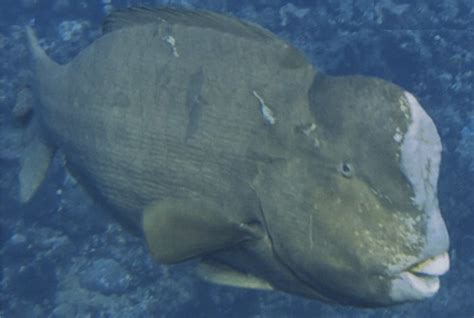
224, 275
179, 229
34, 164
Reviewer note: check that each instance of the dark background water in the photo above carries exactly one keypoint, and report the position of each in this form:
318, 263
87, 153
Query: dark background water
62, 256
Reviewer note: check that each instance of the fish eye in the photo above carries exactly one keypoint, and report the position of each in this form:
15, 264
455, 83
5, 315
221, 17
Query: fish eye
346, 169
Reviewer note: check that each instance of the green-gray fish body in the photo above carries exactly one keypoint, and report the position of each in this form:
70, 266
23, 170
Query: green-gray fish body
222, 142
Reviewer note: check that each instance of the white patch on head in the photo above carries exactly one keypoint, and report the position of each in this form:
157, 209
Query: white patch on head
266, 111
420, 161
398, 137
420, 158
171, 40
404, 108
421, 155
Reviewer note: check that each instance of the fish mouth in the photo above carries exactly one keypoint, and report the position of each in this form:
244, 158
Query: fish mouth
424, 275
420, 280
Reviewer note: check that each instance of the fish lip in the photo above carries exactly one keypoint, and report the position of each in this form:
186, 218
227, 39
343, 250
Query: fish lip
422, 286
420, 280
432, 266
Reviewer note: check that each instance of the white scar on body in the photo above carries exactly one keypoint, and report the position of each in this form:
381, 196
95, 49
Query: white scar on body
266, 111
171, 40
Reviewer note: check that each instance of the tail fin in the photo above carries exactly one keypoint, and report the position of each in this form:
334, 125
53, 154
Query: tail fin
42, 63
37, 154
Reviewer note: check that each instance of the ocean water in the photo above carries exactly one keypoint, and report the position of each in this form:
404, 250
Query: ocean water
62, 255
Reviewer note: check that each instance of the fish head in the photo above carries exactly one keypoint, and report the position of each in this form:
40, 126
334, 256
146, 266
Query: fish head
361, 223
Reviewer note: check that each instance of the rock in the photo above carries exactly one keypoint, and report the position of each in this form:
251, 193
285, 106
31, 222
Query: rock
35, 281
11, 144
57, 247
17, 246
72, 30
25, 309
105, 276
291, 9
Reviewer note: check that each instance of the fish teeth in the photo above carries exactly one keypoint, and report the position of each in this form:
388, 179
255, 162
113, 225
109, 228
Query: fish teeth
434, 266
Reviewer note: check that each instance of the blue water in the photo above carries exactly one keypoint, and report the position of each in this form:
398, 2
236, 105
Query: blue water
63, 256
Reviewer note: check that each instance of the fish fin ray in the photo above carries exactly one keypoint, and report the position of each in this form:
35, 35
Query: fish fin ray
221, 274
41, 62
180, 229
34, 164
199, 18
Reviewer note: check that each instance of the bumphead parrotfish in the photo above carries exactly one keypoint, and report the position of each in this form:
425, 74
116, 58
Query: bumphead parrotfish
221, 142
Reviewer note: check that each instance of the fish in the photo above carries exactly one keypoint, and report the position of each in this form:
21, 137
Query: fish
222, 143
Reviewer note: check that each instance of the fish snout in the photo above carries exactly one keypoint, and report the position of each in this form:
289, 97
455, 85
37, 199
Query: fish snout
421, 280
437, 237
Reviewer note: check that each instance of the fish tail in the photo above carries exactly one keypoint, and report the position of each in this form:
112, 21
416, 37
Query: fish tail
41, 62
37, 154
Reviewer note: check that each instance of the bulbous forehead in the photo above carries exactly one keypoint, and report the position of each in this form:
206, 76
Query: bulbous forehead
362, 120
362, 105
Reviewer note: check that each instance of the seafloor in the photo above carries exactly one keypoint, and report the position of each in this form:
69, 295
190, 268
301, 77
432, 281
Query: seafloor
62, 256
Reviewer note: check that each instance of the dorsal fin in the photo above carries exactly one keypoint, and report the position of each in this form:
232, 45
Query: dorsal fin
199, 18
